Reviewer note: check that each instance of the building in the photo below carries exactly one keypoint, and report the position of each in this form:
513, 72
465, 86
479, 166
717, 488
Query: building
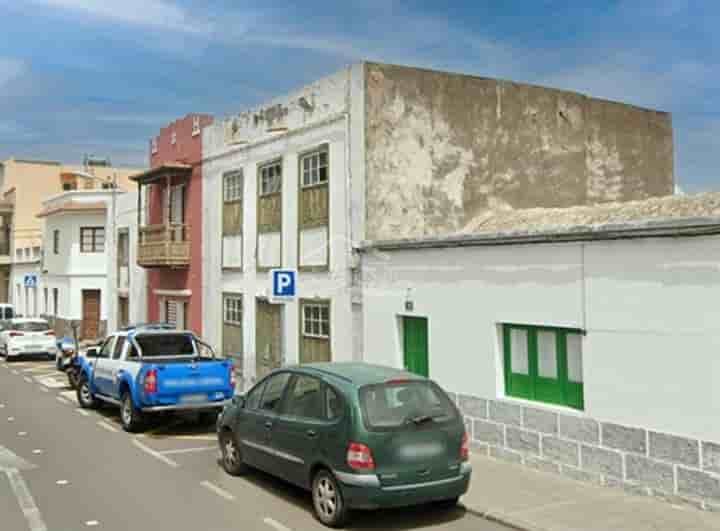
126, 280
170, 224
579, 340
377, 152
75, 261
26, 184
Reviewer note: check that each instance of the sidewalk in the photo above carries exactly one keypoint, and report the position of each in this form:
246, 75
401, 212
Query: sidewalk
538, 501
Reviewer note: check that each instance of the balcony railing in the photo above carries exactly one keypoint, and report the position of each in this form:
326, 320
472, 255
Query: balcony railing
164, 246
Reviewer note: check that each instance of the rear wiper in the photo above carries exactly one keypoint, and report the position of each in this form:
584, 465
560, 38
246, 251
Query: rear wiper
420, 419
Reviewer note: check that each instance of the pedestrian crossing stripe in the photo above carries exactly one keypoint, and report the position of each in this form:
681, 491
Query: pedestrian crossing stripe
51, 382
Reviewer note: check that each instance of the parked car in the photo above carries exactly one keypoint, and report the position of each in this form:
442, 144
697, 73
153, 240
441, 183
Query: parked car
357, 436
27, 337
148, 369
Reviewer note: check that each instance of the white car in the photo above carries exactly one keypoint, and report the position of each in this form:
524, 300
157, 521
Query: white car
27, 337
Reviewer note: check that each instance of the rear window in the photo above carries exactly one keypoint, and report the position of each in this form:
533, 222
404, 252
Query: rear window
165, 345
33, 326
394, 405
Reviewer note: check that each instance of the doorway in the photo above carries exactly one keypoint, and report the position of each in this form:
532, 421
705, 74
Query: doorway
90, 313
415, 345
268, 337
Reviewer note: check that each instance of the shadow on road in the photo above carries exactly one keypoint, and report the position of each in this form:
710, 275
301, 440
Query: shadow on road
425, 516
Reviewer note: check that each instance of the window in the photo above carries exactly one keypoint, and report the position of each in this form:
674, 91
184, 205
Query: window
177, 204
165, 345
274, 392
123, 248
544, 364
305, 399
27, 253
36, 252
55, 301
92, 239
233, 310
233, 186
316, 320
107, 348
253, 399
314, 168
270, 178
119, 345
333, 404
18, 255
173, 138
153, 146
56, 241
47, 302
195, 125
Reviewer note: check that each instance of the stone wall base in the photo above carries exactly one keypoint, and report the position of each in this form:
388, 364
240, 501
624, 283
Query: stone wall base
680, 470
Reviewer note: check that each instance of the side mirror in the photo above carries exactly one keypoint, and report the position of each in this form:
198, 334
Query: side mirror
239, 400
92, 353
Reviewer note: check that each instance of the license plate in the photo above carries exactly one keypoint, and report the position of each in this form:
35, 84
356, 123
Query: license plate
193, 399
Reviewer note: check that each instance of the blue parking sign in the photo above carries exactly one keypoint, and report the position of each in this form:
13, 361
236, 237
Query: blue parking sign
283, 283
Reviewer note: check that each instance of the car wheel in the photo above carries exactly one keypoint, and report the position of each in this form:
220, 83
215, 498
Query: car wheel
130, 416
327, 500
85, 397
232, 461
207, 418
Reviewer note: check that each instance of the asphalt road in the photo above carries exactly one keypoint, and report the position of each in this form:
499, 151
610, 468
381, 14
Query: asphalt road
67, 469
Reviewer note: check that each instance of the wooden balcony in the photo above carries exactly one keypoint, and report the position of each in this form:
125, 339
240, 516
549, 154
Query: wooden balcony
164, 246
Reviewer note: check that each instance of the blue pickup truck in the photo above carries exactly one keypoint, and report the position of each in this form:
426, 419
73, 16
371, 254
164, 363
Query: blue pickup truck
148, 370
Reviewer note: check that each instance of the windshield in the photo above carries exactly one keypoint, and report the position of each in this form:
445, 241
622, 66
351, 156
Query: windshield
166, 345
31, 326
394, 405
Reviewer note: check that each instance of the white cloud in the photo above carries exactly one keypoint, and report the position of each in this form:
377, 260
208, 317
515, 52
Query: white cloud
10, 69
152, 13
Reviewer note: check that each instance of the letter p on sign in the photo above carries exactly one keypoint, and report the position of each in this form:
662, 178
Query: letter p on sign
283, 283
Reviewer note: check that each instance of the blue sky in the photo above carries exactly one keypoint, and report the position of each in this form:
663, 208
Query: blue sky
102, 76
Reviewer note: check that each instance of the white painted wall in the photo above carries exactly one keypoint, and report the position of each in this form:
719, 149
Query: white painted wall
649, 308
331, 124
126, 218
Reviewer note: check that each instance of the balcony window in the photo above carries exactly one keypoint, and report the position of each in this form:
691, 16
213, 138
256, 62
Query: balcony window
92, 239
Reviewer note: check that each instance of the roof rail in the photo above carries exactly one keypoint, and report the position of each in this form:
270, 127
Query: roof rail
148, 326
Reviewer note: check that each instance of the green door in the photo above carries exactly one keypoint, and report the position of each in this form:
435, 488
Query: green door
415, 345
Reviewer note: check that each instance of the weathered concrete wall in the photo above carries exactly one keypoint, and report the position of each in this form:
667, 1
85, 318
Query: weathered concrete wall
443, 148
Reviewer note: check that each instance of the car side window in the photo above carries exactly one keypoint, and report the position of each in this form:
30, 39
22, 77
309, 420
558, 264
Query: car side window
107, 348
132, 351
273, 394
305, 398
253, 399
119, 346
333, 404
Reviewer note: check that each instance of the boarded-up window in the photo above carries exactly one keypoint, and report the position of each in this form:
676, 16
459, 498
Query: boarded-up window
314, 168
269, 215
232, 219
315, 332
174, 313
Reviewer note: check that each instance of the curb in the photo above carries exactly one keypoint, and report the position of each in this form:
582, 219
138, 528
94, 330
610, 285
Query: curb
505, 519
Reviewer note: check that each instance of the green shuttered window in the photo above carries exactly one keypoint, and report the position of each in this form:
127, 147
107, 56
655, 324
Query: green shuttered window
544, 364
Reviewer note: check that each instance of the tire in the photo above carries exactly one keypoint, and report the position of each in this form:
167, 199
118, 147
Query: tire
84, 394
328, 501
130, 416
447, 504
207, 418
232, 461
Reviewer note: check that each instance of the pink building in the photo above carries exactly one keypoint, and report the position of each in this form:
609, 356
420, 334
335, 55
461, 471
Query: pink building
170, 224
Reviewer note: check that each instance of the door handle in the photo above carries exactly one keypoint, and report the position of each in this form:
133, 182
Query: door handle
268, 425
311, 434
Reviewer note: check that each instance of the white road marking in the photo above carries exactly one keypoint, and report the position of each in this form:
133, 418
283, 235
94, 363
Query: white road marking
63, 400
107, 426
83, 412
188, 450
51, 382
156, 455
277, 525
92, 523
37, 451
26, 501
15, 372
217, 490
22, 433
62, 482
28, 379
10, 419
44, 389
2, 406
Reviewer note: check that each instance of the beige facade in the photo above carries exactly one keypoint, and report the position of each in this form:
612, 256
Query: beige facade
30, 182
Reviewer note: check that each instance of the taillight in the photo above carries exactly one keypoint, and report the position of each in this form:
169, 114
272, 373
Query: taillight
15, 334
465, 448
359, 457
233, 380
150, 383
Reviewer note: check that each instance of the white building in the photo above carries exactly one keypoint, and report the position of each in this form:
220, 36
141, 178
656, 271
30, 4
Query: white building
127, 282
25, 282
74, 283
586, 348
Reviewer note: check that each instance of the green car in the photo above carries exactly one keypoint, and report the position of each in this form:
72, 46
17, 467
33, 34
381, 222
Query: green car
357, 436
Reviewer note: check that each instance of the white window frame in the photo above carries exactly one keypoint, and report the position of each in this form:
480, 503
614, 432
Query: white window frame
270, 182
233, 186
311, 165
312, 320
233, 310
